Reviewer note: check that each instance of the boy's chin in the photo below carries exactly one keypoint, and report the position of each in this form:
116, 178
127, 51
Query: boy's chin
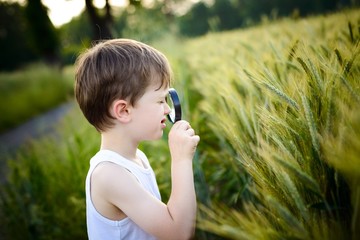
156, 137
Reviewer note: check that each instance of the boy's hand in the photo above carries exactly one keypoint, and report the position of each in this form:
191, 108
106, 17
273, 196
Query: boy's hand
182, 141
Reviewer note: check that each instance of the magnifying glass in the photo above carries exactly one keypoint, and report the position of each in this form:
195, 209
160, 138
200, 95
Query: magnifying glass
175, 106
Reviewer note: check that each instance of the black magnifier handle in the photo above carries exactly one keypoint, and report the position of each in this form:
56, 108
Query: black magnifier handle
175, 106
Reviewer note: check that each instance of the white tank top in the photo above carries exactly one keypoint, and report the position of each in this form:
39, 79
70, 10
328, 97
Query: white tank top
100, 227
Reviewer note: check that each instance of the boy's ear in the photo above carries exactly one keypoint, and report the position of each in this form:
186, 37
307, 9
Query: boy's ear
120, 110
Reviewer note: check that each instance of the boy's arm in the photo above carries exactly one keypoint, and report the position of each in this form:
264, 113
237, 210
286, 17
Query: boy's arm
176, 220
182, 201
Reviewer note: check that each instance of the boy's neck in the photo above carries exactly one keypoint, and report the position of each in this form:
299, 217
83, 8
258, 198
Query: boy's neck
119, 144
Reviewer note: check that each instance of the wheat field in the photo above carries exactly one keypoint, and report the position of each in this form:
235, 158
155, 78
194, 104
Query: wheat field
282, 101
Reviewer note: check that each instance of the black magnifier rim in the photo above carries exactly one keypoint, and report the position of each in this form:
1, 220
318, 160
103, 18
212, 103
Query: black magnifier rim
177, 106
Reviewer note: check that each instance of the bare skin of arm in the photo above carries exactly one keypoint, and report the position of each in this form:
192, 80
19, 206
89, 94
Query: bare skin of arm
116, 193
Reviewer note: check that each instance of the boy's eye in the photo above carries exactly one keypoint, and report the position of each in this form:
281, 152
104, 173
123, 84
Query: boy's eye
163, 100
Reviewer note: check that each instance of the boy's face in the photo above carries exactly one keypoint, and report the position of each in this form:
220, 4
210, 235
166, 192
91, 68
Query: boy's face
149, 113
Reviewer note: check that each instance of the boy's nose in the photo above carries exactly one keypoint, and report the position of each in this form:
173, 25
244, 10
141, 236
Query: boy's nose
167, 109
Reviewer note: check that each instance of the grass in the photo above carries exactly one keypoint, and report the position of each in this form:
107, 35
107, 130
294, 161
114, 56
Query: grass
31, 91
276, 107
45, 197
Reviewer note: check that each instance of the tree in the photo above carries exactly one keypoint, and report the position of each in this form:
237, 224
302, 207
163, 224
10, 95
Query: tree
43, 36
195, 22
101, 25
14, 49
228, 14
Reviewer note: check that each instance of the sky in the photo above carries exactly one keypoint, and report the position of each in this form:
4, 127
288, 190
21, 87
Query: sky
62, 11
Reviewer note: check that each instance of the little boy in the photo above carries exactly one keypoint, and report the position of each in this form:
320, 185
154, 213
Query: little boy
121, 87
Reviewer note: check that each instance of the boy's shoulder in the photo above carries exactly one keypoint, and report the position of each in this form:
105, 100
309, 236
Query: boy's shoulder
114, 157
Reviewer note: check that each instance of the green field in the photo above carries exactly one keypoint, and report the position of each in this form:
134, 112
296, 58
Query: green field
277, 109
32, 90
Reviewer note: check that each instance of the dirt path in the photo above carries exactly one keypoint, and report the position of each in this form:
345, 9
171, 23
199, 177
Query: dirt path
39, 126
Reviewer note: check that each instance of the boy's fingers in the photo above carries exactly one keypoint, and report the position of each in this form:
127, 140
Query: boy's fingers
196, 139
182, 124
190, 131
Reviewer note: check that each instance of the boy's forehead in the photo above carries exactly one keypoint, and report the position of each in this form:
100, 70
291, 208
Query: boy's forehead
153, 92
158, 87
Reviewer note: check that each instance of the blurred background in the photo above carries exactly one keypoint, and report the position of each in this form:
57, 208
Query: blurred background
271, 86
55, 31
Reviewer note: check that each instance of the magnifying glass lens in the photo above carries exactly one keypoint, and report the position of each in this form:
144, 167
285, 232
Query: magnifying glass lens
174, 104
172, 110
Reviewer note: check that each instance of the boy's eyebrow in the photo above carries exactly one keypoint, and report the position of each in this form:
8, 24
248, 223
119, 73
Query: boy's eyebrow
164, 95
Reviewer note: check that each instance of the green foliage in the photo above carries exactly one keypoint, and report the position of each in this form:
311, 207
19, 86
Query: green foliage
75, 36
231, 14
31, 91
195, 22
146, 25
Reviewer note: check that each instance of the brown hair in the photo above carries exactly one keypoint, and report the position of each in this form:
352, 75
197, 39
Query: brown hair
116, 69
